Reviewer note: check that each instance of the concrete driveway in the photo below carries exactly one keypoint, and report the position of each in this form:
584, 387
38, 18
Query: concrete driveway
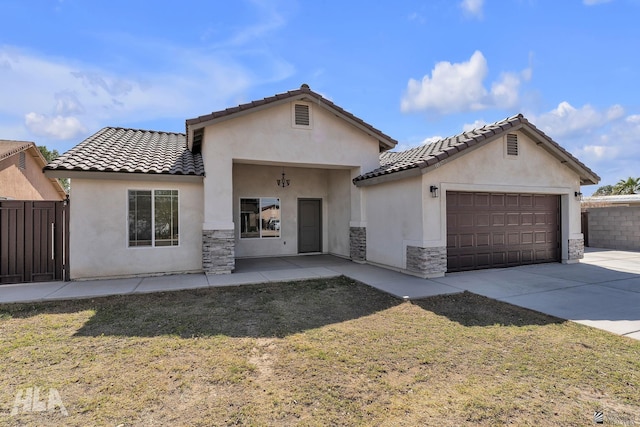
602, 291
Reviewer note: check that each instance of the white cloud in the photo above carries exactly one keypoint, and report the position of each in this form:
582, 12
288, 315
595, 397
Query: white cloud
472, 8
594, 2
431, 139
146, 80
475, 125
566, 120
58, 127
604, 139
633, 119
59, 97
601, 151
459, 87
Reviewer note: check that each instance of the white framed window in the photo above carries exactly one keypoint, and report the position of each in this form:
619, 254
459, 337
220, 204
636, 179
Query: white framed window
301, 115
259, 217
153, 218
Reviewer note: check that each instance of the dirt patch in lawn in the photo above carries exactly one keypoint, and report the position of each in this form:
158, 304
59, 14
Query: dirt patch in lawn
321, 352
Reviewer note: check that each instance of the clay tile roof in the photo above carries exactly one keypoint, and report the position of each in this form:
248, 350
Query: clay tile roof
132, 151
304, 92
438, 151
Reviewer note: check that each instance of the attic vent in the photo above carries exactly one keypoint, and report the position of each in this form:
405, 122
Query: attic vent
22, 161
302, 115
512, 144
198, 136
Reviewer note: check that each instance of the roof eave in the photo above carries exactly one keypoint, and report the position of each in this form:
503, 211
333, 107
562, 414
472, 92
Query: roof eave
304, 94
121, 176
587, 176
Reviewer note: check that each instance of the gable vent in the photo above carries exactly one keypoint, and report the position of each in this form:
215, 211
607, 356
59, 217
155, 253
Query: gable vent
22, 161
512, 144
302, 117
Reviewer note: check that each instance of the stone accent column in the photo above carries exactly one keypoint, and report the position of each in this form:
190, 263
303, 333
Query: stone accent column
427, 262
358, 243
218, 251
576, 249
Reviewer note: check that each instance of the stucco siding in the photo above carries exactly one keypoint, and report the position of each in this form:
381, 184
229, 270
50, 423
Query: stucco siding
331, 186
268, 137
99, 231
339, 211
487, 168
403, 213
394, 220
25, 184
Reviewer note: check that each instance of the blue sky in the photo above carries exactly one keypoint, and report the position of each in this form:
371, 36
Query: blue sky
413, 69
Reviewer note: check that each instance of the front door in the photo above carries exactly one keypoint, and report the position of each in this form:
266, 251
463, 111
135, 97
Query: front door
309, 225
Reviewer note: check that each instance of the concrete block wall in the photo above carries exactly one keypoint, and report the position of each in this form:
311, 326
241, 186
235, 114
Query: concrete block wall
615, 227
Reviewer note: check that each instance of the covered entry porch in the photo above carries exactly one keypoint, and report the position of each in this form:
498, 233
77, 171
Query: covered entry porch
292, 209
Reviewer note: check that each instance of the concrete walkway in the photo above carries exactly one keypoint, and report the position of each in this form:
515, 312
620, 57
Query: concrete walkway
602, 291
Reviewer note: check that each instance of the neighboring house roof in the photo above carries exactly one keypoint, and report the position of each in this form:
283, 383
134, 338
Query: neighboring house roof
122, 150
10, 148
302, 94
424, 158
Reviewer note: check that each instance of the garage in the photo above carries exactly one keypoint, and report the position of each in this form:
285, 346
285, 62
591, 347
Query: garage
493, 230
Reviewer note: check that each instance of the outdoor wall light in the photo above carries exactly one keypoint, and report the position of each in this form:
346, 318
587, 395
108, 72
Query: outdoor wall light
283, 182
578, 195
434, 191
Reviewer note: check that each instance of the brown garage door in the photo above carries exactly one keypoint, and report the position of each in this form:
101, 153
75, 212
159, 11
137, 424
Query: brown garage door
490, 230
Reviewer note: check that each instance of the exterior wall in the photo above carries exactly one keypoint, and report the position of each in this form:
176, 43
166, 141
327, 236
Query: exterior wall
394, 221
405, 221
488, 168
615, 228
332, 186
320, 162
268, 137
28, 183
99, 231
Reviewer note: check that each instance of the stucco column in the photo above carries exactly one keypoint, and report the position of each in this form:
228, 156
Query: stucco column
357, 225
218, 231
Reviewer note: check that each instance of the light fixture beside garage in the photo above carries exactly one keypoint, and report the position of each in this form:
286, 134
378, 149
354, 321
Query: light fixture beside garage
434, 191
578, 195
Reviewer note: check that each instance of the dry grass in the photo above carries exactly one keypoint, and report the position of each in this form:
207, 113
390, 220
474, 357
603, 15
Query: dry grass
330, 352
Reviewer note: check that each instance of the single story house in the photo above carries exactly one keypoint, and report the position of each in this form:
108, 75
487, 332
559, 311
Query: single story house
296, 174
21, 176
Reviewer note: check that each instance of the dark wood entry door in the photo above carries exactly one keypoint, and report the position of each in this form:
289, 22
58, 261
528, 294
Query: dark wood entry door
490, 230
309, 225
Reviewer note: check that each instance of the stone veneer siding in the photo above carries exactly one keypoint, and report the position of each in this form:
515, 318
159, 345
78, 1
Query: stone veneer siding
576, 248
616, 227
218, 251
358, 243
427, 261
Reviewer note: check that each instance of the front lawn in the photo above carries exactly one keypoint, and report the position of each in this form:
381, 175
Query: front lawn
320, 352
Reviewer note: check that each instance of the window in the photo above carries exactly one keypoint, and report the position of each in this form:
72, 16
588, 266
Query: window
153, 218
301, 116
259, 218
